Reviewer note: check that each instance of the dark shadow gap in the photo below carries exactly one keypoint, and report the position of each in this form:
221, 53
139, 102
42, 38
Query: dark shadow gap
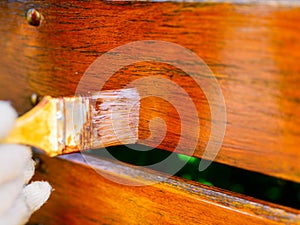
238, 180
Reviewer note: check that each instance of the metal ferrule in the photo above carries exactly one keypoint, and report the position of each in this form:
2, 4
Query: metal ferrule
73, 118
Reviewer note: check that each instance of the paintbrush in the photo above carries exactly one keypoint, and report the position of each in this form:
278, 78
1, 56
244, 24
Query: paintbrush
71, 124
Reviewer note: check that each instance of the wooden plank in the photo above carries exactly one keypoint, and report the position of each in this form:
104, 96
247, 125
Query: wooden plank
84, 195
252, 49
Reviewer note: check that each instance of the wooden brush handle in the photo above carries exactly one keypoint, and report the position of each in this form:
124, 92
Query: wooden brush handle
37, 128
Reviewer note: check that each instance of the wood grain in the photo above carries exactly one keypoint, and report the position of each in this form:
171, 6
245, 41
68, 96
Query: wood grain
253, 51
84, 195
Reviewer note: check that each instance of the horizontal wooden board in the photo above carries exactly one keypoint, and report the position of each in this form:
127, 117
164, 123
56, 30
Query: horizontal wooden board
253, 50
98, 195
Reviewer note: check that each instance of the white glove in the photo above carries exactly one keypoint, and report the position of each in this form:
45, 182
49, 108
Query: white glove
17, 200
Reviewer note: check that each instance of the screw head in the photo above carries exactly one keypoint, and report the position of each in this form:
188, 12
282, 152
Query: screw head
40, 166
35, 99
33, 17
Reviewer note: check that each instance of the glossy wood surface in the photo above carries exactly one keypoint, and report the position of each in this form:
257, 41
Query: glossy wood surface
253, 50
85, 195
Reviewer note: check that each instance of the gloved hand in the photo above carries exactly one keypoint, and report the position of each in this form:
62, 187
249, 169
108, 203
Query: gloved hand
17, 199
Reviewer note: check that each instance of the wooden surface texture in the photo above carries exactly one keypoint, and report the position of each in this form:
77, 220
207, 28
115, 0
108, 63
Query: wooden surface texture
253, 50
86, 195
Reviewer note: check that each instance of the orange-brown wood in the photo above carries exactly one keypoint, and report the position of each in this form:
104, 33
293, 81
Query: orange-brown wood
83, 196
253, 50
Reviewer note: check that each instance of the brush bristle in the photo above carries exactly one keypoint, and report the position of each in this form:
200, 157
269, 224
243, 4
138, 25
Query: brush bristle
105, 118
115, 117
